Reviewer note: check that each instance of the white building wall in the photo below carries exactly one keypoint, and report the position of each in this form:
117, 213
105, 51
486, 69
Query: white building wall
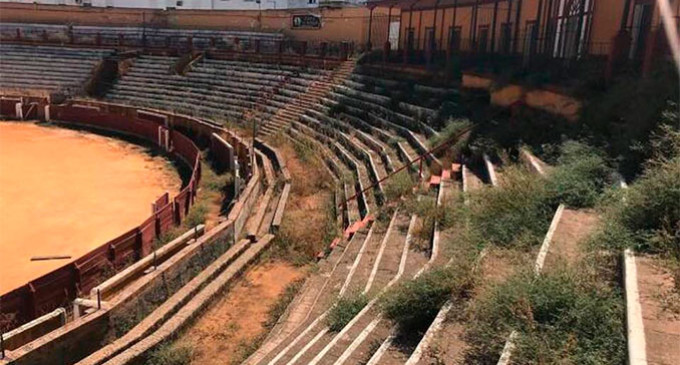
185, 4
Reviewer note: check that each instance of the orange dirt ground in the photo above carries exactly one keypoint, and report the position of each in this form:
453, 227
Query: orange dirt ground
65, 192
237, 317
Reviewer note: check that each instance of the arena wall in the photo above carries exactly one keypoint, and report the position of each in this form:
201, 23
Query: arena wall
85, 334
59, 287
338, 24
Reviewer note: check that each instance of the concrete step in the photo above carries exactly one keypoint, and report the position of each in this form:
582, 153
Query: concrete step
296, 108
285, 112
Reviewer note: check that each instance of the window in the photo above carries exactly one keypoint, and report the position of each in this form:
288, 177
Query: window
571, 29
410, 34
454, 38
430, 41
483, 40
642, 21
506, 37
530, 38
312, 2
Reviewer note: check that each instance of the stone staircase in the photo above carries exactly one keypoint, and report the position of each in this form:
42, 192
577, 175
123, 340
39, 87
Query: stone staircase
317, 90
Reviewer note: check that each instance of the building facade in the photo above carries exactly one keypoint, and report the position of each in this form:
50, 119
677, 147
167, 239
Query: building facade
183, 4
564, 29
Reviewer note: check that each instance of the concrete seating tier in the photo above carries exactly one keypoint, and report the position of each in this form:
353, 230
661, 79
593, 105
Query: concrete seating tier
135, 35
177, 97
360, 80
212, 88
388, 132
350, 154
47, 68
343, 172
348, 212
346, 95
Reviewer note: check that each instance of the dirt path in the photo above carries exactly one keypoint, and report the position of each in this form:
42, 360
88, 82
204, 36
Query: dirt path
574, 228
64, 192
236, 319
660, 311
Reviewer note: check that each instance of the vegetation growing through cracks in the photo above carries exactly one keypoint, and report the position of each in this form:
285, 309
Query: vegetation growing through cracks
516, 216
344, 309
138, 309
570, 316
170, 354
646, 216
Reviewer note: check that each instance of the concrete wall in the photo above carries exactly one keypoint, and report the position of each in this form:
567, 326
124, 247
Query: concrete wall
343, 24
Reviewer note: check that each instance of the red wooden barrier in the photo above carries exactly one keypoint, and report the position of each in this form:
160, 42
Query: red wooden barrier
62, 285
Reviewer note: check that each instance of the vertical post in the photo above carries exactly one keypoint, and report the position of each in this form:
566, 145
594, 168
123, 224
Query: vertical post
2, 346
453, 19
323, 49
99, 299
441, 32
547, 33
579, 28
388, 45
624, 16
252, 152
407, 39
507, 29
400, 38
434, 26
473, 24
518, 18
370, 26
537, 29
420, 27
493, 26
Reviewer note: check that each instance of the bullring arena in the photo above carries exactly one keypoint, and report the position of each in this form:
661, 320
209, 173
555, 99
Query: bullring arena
89, 201
399, 182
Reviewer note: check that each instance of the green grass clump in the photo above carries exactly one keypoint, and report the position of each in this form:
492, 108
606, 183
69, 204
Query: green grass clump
344, 310
197, 215
560, 317
413, 304
581, 176
171, 355
399, 185
647, 216
453, 127
517, 213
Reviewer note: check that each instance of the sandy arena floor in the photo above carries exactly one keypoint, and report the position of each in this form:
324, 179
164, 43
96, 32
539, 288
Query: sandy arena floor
65, 192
